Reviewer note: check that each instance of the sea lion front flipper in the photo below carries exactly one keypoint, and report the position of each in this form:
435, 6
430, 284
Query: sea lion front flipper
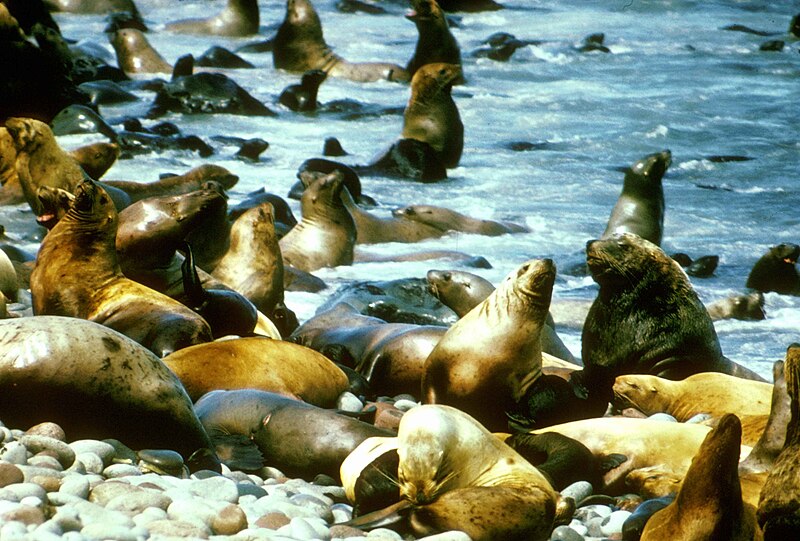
236, 451
606, 463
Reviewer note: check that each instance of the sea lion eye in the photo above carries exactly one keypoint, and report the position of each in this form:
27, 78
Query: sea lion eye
103, 200
442, 71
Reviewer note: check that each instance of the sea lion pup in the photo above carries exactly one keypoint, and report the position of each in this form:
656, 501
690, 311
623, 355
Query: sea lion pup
253, 264
435, 43
95, 383
193, 179
303, 96
77, 274
259, 363
299, 46
431, 115
640, 207
707, 392
96, 158
239, 18
326, 234
486, 361
252, 428
777, 507
135, 54
776, 271
458, 476
450, 220
646, 319
709, 504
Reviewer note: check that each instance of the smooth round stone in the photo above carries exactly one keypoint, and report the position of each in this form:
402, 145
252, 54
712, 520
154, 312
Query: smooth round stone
15, 453
80, 468
23, 490
612, 524
36, 444
341, 513
115, 532
162, 461
663, 417
45, 461
595, 527
103, 450
229, 520
304, 530
115, 471
405, 405
579, 527
149, 515
58, 499
91, 513
49, 526
272, 521
384, 533
136, 502
5, 434
67, 518
31, 473
10, 474
205, 474
89, 462
591, 511
249, 489
50, 483
347, 401
314, 504
26, 514
163, 482
268, 472
578, 491
51, 430
452, 535
215, 488
72, 536
699, 418
565, 533
31, 501
13, 531
108, 490
177, 528
192, 510
339, 531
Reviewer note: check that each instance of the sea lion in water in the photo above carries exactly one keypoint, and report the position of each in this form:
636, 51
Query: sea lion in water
777, 271
709, 504
431, 115
748, 307
640, 206
135, 54
193, 179
239, 18
303, 96
450, 220
707, 392
487, 360
646, 319
95, 383
326, 234
435, 43
299, 46
77, 274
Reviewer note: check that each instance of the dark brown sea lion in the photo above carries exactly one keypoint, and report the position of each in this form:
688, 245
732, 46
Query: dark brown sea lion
135, 54
193, 179
640, 206
450, 220
77, 274
299, 46
303, 96
487, 360
431, 115
96, 158
326, 234
749, 307
279, 428
435, 43
777, 271
239, 18
709, 504
95, 383
646, 319
777, 507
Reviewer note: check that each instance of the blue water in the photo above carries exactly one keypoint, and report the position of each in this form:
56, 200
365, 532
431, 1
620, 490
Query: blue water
673, 80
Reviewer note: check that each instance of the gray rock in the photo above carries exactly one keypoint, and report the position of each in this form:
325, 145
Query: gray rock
110, 531
663, 417
347, 401
23, 490
14, 453
136, 502
215, 488
45, 461
36, 444
612, 524
77, 485
101, 449
578, 491
317, 506
89, 462
565, 533
115, 471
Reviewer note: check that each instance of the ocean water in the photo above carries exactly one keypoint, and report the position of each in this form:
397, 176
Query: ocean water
674, 79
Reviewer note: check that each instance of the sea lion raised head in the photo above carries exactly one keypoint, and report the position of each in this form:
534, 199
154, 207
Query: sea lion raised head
436, 43
776, 271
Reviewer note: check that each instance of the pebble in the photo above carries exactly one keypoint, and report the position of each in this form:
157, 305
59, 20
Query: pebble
35, 444
404, 404
10, 474
578, 491
663, 417
612, 525
51, 430
349, 402
699, 418
452, 535
116, 471
104, 451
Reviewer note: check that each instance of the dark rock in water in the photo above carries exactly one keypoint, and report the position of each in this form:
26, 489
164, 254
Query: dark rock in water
775, 45
470, 6
303, 96
167, 129
728, 158
333, 147
264, 46
106, 92
220, 57
746, 30
357, 6
184, 66
81, 119
408, 159
281, 209
252, 149
134, 142
206, 93
407, 300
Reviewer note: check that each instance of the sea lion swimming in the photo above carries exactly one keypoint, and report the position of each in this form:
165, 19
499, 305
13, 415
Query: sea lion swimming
239, 18
777, 271
451, 220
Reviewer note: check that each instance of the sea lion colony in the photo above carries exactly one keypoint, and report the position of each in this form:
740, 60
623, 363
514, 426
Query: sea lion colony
439, 468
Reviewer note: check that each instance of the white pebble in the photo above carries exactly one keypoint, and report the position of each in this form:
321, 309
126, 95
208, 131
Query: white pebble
578, 491
115, 471
89, 462
341, 512
405, 405
452, 535
347, 401
14, 452
32, 501
384, 533
23, 490
13, 531
663, 417
77, 485
215, 488
149, 515
101, 449
613, 523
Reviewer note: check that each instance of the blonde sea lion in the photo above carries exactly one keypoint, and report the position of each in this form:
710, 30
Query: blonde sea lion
487, 360
435, 42
451, 220
709, 504
259, 363
77, 274
299, 46
326, 234
193, 179
431, 115
96, 158
708, 392
239, 18
135, 54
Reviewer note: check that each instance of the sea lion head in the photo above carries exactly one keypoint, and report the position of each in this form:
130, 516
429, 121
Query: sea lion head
423, 11
631, 390
652, 166
92, 203
534, 280
54, 204
323, 192
623, 259
433, 79
28, 133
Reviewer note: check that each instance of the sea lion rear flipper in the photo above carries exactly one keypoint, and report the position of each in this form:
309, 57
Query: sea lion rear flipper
382, 517
607, 463
238, 452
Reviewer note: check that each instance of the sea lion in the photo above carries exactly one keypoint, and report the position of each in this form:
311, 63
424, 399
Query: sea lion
435, 42
303, 96
95, 383
326, 234
253, 264
708, 392
450, 220
96, 158
458, 476
777, 507
431, 115
487, 360
640, 207
239, 18
777, 271
77, 274
259, 363
299, 46
9, 282
709, 504
91, 6
193, 179
299, 439
748, 307
460, 290
135, 54
11, 193
646, 319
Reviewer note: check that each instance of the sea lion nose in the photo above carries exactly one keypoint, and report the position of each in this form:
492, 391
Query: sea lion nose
589, 244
